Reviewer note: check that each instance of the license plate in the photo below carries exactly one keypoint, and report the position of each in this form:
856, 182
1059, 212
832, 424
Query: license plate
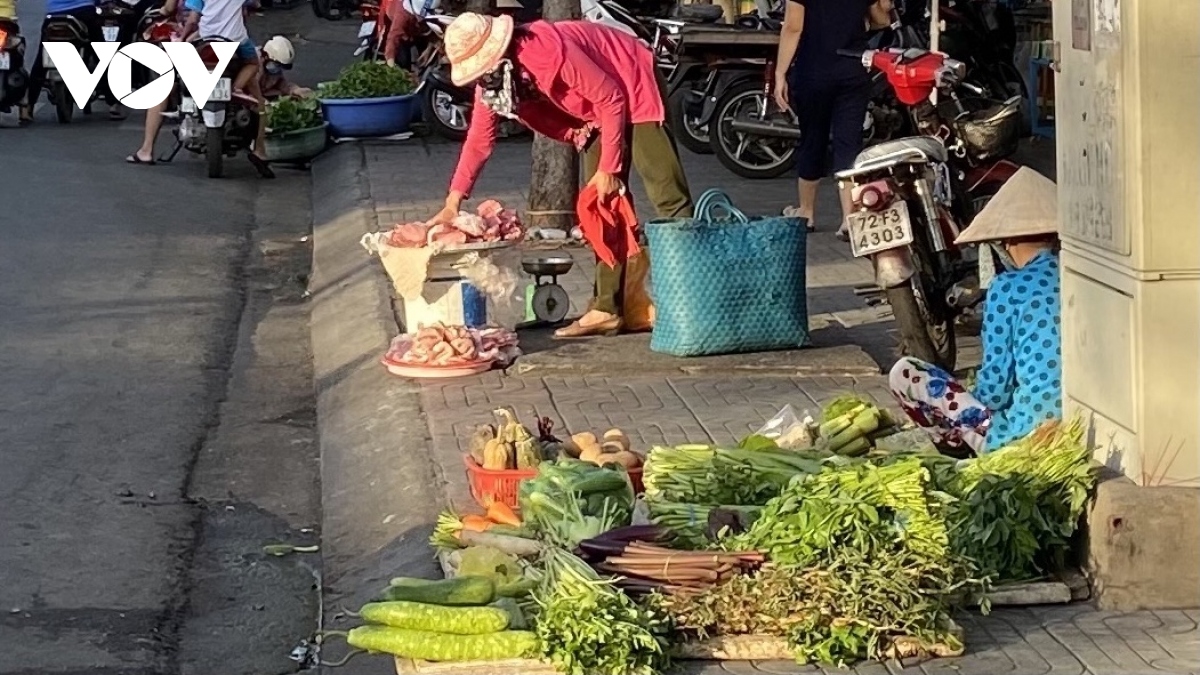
111, 33
368, 28
187, 105
223, 91
875, 231
5, 61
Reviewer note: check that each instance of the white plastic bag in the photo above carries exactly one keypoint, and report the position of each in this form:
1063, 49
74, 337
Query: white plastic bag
789, 430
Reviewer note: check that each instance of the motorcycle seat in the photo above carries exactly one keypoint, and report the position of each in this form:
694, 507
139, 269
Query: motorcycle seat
73, 22
698, 13
932, 148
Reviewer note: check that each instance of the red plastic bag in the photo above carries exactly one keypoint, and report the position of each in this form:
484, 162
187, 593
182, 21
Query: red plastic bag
610, 228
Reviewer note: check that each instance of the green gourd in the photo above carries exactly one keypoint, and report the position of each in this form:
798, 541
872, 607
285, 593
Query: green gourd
435, 618
465, 591
429, 646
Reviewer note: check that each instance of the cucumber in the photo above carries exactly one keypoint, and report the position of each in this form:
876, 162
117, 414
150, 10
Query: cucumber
465, 591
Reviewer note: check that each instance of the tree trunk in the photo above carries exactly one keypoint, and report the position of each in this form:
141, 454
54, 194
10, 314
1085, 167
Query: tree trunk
554, 181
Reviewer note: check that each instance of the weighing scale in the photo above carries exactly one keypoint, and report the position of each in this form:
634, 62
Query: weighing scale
546, 302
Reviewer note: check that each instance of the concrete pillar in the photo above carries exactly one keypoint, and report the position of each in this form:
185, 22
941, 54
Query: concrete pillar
1128, 133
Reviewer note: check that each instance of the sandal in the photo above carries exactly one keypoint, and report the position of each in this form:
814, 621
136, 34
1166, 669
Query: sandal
793, 212
134, 159
260, 164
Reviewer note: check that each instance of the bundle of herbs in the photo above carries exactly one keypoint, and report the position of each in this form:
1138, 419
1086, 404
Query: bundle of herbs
1017, 508
589, 627
878, 535
700, 474
838, 613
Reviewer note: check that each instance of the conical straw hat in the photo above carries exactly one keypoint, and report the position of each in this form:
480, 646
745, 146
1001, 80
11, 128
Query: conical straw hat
1025, 206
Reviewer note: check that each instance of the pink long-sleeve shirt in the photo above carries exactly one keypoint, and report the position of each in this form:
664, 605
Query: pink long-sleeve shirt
585, 73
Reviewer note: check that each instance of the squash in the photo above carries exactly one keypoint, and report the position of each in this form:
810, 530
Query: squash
479, 440
625, 458
525, 450
618, 436
498, 455
591, 454
571, 449
584, 439
612, 447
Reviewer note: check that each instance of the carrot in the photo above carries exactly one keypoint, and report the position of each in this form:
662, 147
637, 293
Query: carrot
502, 514
474, 523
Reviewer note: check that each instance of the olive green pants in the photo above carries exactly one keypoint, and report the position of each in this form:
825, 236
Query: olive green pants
654, 156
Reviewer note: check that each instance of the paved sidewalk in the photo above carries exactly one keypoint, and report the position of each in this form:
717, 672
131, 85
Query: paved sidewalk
402, 182
409, 182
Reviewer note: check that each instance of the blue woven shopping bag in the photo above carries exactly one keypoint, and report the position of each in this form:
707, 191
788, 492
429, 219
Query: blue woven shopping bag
726, 283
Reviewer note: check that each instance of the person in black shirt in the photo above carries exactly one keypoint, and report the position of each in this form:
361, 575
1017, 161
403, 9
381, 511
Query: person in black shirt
827, 91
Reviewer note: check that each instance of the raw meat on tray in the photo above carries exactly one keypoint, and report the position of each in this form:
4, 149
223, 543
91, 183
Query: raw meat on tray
490, 223
441, 345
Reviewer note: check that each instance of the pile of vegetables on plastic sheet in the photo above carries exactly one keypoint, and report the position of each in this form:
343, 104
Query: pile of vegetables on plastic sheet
843, 538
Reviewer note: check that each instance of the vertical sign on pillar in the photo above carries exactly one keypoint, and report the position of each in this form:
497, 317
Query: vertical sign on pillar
1081, 25
1088, 97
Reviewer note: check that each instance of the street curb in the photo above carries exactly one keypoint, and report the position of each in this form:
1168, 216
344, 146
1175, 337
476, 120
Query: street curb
379, 491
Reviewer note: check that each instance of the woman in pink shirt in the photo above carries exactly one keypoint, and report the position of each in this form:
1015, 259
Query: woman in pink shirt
580, 83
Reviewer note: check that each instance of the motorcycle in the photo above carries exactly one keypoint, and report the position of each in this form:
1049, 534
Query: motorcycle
912, 197
14, 79
980, 34
689, 130
66, 28
225, 125
723, 90
368, 32
114, 15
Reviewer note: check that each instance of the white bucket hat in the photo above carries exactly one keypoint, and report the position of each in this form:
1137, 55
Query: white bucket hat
1025, 206
475, 44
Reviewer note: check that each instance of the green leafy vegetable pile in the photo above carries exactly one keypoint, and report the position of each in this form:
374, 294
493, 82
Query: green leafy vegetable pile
368, 79
292, 114
876, 539
589, 627
871, 555
1017, 509
572, 500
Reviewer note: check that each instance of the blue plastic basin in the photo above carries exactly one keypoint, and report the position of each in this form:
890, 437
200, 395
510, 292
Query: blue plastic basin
365, 117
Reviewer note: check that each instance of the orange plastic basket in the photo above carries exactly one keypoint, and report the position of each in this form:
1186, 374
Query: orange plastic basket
502, 485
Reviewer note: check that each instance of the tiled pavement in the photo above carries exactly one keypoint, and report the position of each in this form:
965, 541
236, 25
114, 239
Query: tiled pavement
408, 182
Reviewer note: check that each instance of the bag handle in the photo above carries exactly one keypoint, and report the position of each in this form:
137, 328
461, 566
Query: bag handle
713, 200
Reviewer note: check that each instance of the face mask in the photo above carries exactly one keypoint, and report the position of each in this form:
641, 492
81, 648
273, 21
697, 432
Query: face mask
273, 68
1005, 258
498, 94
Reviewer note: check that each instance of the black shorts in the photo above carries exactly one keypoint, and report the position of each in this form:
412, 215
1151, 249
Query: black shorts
830, 113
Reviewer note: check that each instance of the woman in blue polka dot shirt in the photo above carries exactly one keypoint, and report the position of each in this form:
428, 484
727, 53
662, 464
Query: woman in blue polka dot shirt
1019, 384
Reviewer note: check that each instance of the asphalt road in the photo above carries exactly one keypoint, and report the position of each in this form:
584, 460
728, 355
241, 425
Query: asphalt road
125, 292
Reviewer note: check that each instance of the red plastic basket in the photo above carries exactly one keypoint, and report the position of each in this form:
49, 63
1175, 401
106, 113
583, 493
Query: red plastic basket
502, 485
